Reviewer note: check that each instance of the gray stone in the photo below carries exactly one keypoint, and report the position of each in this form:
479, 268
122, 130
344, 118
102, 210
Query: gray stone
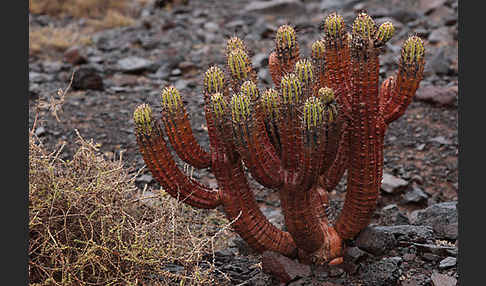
442, 280
441, 140
429, 5
410, 232
277, 7
181, 84
415, 195
39, 131
145, 178
354, 254
376, 240
134, 65
176, 72
442, 217
211, 27
52, 67
391, 184
40, 77
440, 35
440, 62
391, 215
447, 262
258, 60
162, 72
440, 250
437, 95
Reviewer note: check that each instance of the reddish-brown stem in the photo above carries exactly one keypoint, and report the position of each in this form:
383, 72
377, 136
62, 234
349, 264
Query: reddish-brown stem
259, 156
290, 138
275, 69
239, 203
364, 150
331, 177
337, 60
164, 169
179, 132
402, 92
301, 222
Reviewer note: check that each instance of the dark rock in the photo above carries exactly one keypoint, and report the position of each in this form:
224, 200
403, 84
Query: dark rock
442, 217
437, 95
74, 56
33, 93
354, 254
442, 280
385, 272
87, 78
391, 215
134, 65
391, 184
415, 195
409, 232
376, 240
447, 262
277, 7
283, 268
335, 272
430, 257
321, 272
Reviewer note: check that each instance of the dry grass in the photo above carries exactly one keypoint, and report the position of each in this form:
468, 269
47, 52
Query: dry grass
99, 15
51, 40
88, 9
89, 225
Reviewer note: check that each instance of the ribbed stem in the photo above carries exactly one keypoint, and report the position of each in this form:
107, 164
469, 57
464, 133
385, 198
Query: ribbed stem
181, 137
364, 152
176, 183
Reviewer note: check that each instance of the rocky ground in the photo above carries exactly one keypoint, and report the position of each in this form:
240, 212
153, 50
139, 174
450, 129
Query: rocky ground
414, 237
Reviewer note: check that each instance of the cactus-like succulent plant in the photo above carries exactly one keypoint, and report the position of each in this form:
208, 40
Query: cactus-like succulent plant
326, 114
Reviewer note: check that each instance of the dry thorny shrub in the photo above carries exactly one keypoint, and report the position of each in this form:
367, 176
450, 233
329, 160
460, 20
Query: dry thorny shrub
89, 225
